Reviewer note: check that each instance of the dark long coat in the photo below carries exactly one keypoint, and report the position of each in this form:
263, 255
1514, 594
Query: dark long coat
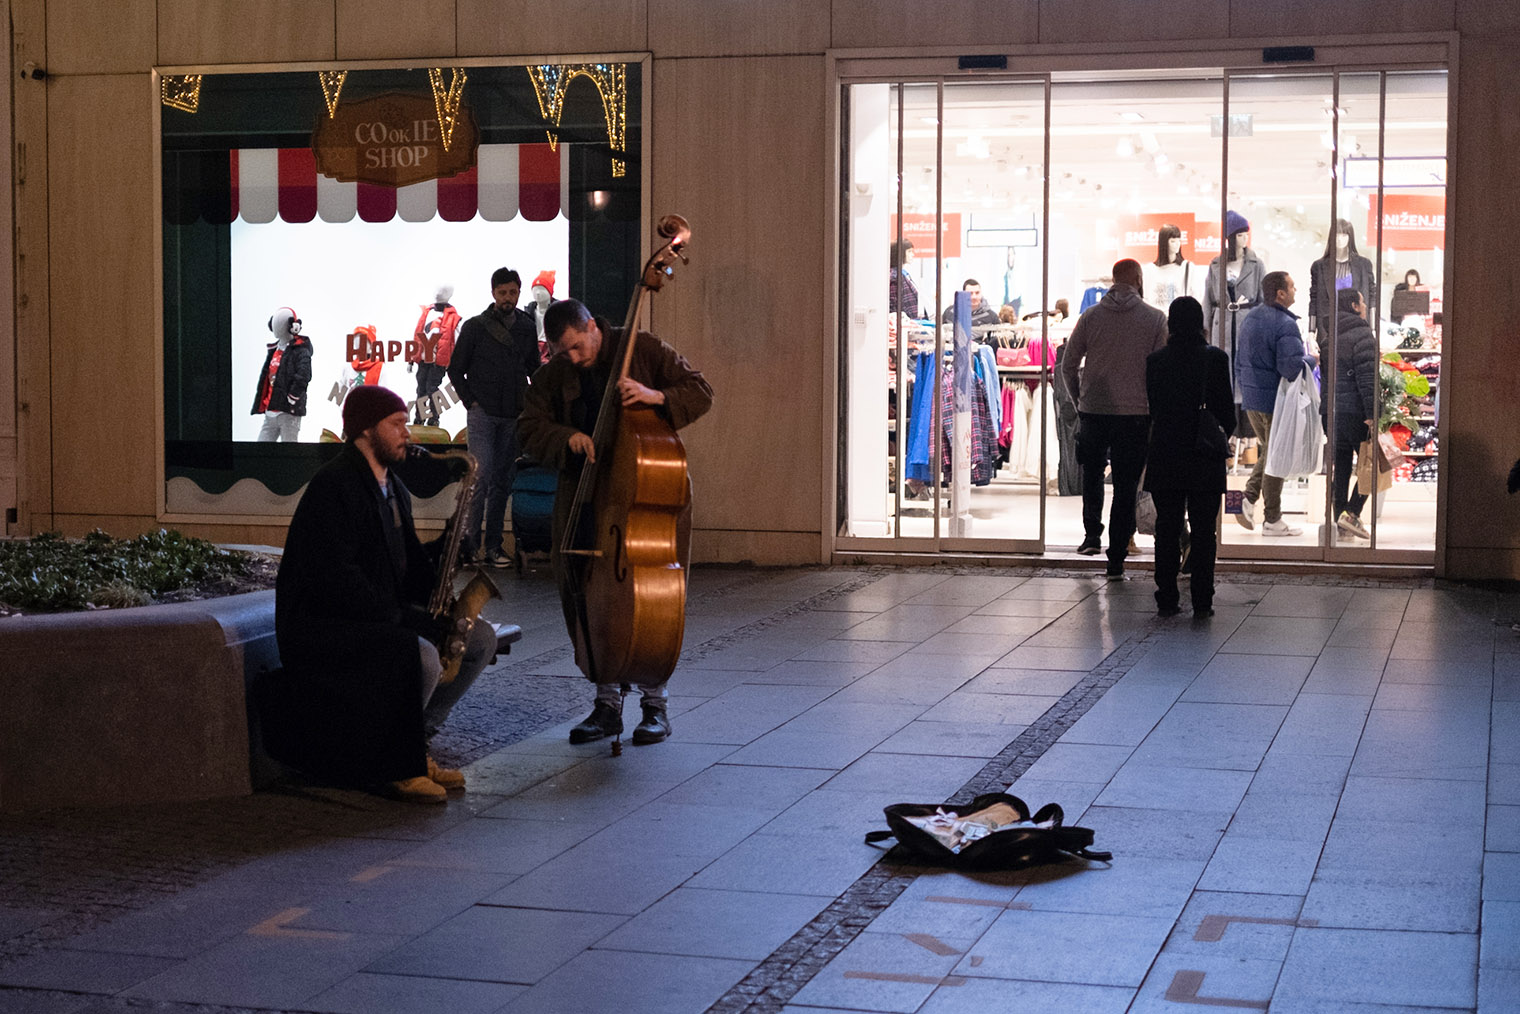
349, 704
1177, 380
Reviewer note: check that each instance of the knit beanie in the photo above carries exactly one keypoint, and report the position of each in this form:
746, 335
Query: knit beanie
546, 279
365, 406
1235, 222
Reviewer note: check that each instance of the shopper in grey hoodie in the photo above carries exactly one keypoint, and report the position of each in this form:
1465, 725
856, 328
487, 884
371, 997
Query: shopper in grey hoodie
1104, 365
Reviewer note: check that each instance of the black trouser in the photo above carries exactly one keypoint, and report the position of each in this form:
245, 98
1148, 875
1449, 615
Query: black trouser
429, 377
1345, 446
1118, 440
1202, 514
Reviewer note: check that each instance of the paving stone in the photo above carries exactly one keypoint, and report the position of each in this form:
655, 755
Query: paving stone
1361, 966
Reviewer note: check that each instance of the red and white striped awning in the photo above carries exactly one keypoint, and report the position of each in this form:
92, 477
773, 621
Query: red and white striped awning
508, 180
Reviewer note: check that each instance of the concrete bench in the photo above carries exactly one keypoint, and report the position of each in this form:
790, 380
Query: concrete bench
119, 706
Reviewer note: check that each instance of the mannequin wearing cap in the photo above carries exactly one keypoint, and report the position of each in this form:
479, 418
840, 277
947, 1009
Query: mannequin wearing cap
359, 697
434, 335
1233, 286
281, 397
542, 291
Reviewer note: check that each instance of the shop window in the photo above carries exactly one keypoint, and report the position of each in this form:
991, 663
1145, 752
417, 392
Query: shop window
352, 201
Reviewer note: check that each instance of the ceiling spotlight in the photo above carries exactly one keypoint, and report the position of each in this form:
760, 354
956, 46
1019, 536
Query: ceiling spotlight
1130, 116
1125, 148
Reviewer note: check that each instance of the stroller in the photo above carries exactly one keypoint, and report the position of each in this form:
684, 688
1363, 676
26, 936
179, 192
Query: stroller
532, 510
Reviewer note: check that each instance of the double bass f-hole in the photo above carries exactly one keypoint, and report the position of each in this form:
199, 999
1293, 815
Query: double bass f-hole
619, 566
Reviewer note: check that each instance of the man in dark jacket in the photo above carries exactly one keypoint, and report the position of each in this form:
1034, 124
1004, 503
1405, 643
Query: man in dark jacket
557, 426
359, 695
496, 353
1103, 365
1270, 349
1356, 404
982, 314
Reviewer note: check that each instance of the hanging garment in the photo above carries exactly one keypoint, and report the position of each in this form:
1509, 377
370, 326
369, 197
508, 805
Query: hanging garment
920, 418
1024, 451
986, 372
983, 442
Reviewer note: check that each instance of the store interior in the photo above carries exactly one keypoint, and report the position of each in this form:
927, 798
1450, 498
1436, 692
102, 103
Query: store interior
1129, 156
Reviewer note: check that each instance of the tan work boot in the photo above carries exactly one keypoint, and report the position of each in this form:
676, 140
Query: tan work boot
449, 778
419, 790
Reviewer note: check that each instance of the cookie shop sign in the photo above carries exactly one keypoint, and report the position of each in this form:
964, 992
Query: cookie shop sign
393, 140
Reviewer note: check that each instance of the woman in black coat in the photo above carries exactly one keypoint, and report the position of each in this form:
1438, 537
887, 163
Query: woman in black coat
1188, 373
1356, 384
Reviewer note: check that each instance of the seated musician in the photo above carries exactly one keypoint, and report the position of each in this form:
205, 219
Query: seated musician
558, 418
360, 692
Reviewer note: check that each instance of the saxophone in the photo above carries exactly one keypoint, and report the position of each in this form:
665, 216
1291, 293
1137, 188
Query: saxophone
464, 608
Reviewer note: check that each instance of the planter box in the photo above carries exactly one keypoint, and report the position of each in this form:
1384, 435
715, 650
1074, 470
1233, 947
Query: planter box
123, 706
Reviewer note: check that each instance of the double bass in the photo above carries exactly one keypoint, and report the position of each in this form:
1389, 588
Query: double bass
630, 585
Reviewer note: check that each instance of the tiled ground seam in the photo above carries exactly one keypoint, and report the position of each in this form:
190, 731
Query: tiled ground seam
773, 983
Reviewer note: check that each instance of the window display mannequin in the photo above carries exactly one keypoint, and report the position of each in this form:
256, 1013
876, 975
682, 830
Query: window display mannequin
281, 396
434, 334
1340, 268
542, 291
1242, 273
902, 292
1170, 275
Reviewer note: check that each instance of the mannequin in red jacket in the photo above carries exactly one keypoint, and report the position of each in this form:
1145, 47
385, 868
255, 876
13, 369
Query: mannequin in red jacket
435, 332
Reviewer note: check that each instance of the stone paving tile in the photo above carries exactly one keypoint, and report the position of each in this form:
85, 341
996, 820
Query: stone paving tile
1350, 966
715, 924
748, 712
1057, 947
368, 993
1079, 762
1250, 865
1262, 635
16, 1001
1226, 982
950, 738
498, 845
1138, 886
265, 971
1250, 679
1035, 682
768, 862
882, 972
992, 994
83, 971
1198, 735
496, 944
630, 983
1503, 829
1430, 900
910, 777
1169, 787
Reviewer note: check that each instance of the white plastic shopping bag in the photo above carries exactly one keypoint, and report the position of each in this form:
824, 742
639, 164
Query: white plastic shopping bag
1297, 440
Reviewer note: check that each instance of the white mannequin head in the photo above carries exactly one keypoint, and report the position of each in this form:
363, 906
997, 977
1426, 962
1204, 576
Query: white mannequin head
1174, 246
285, 325
541, 296
443, 293
1342, 243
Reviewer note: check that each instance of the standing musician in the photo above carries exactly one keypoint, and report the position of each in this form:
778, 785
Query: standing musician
558, 418
361, 677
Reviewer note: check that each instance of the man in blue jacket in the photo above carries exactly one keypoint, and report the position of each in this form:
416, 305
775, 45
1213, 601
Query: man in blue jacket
1270, 348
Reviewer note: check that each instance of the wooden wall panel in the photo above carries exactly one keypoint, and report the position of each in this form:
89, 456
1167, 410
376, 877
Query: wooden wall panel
9, 450
1480, 433
377, 29
1099, 21
33, 356
975, 24
737, 27
192, 32
88, 37
490, 28
101, 277
1292, 19
1480, 17
749, 309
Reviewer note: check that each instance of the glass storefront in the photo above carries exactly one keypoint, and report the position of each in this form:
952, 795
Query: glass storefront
357, 201
957, 432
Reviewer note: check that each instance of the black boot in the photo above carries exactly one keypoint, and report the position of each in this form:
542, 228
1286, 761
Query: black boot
605, 720
655, 727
